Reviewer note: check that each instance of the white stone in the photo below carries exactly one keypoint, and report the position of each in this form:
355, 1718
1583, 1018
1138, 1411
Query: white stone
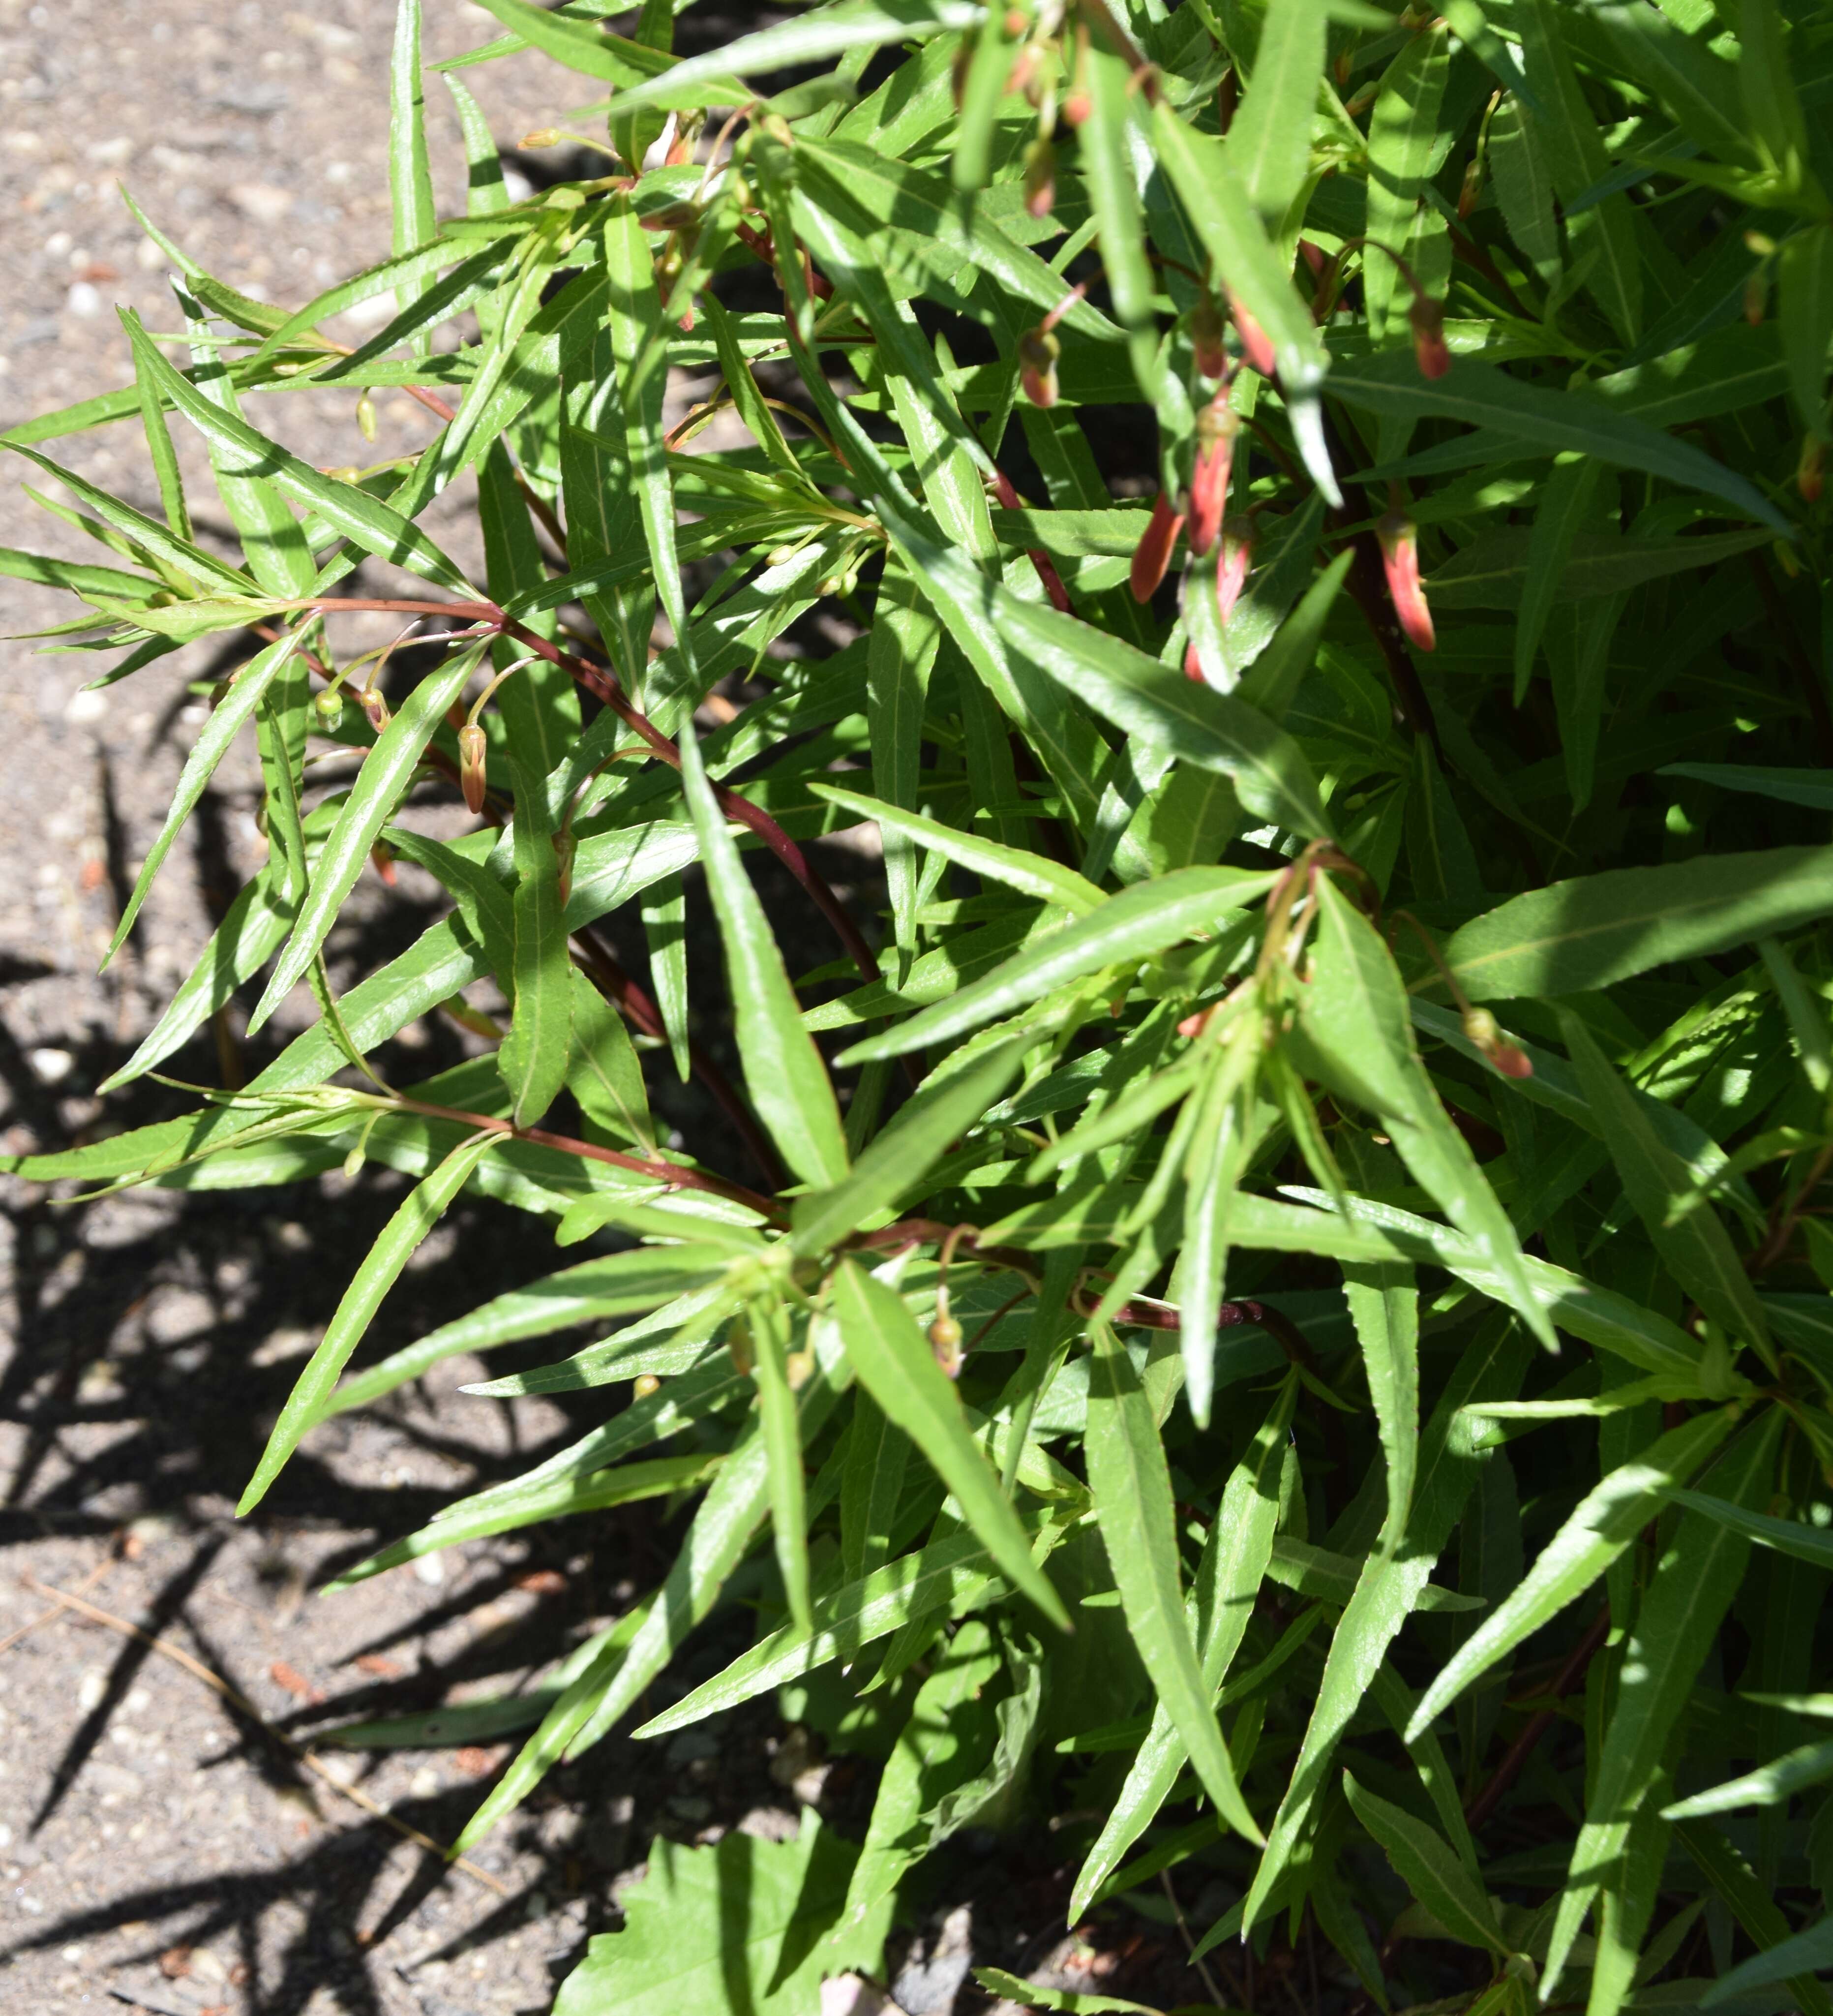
51, 1066
83, 300
85, 704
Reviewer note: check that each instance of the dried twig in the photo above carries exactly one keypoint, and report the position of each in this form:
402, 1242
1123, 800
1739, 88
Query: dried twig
57, 1609
64, 1599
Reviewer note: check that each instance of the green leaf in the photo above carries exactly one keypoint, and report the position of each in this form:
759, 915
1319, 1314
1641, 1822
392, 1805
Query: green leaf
949, 1103
1147, 918
1218, 205
784, 1073
949, 1574
744, 1924
1481, 396
1384, 1305
626, 1486
995, 1981
1227, 1584
1565, 502
896, 1366
1792, 1537
534, 1055
419, 1211
1430, 1869
226, 722
1770, 1784
1354, 1015
387, 770
782, 1447
1591, 932
1606, 1520
1690, 1590
376, 528
1132, 1486
1405, 148
1697, 1249
1030, 874
410, 172
1270, 141
1804, 279
1793, 1959
1387, 1591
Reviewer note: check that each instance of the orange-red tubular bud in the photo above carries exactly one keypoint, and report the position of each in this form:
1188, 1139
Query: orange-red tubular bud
1399, 553
1206, 330
1038, 351
1193, 666
1429, 347
471, 765
382, 860
1254, 341
1078, 109
1216, 426
1040, 178
1510, 1062
1810, 471
1231, 573
1152, 555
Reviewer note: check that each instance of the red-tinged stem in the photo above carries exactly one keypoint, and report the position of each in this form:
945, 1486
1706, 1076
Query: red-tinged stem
603, 687
676, 1175
625, 992
1047, 573
1519, 1751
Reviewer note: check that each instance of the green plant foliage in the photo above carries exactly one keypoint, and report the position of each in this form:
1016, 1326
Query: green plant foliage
1315, 514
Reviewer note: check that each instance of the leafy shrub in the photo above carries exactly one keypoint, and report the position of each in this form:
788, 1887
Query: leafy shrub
1312, 1177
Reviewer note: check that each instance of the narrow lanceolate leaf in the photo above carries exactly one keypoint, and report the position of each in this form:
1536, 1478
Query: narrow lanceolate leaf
1430, 1868
1132, 1486
784, 1073
782, 1446
226, 721
1384, 1305
1270, 141
897, 1367
1782, 1955
1606, 1520
1404, 147
1127, 928
387, 770
1030, 874
1596, 930
1387, 1590
1690, 1591
1354, 1014
366, 521
410, 171
898, 1158
1561, 510
534, 1055
1228, 1580
423, 1207
1697, 1248
1793, 1537
1769, 1785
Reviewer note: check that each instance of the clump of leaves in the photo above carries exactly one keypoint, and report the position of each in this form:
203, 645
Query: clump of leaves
1313, 1176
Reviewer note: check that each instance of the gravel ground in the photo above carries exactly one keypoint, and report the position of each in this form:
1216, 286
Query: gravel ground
161, 1846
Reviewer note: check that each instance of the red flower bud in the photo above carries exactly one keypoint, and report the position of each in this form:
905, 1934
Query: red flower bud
1216, 426
1510, 1062
1206, 330
375, 708
1315, 257
1399, 553
1254, 341
1040, 178
1810, 471
1152, 555
1231, 573
1078, 109
382, 860
1038, 351
1429, 347
1193, 666
471, 765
